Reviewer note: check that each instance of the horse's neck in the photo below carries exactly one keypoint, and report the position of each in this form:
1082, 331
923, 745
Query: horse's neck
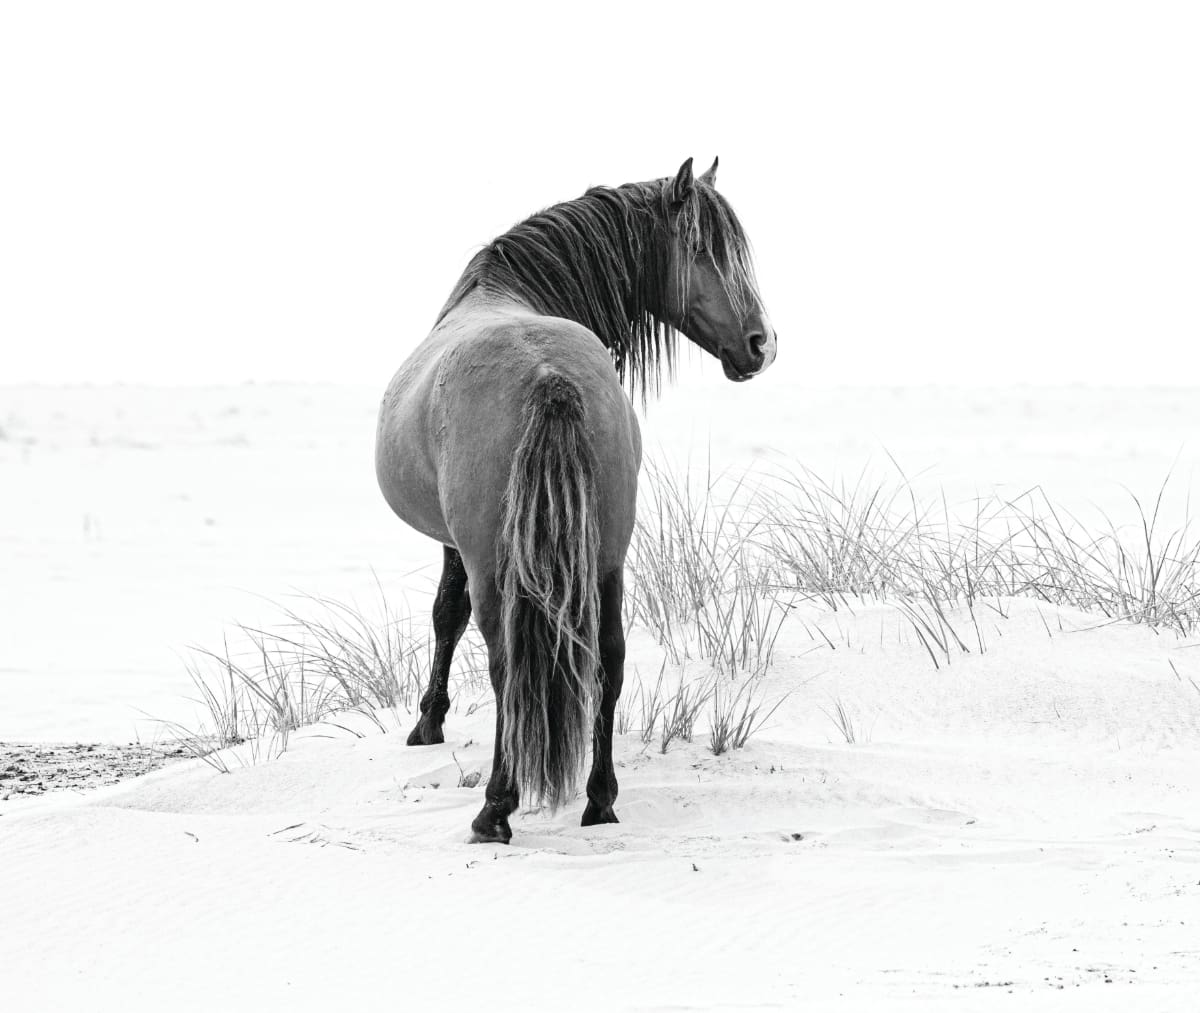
480, 305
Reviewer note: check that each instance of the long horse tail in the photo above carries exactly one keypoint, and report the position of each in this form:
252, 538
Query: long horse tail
550, 604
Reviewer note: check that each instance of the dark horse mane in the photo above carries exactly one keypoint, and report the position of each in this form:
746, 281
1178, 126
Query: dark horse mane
603, 261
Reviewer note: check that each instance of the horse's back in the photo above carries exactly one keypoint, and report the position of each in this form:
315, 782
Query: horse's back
455, 412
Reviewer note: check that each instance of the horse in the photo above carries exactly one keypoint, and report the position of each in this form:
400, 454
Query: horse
510, 437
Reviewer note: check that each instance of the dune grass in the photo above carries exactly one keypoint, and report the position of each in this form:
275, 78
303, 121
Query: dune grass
869, 541
325, 658
842, 717
737, 715
695, 577
888, 545
716, 565
665, 712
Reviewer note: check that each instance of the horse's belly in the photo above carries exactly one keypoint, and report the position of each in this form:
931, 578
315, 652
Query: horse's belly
409, 504
404, 463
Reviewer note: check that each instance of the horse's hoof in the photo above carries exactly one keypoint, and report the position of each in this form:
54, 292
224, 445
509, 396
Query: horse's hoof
426, 733
593, 815
488, 828
481, 838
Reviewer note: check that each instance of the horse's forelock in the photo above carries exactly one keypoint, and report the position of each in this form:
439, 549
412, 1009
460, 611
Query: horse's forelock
708, 225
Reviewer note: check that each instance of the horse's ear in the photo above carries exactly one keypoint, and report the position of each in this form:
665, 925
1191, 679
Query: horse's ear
681, 186
709, 175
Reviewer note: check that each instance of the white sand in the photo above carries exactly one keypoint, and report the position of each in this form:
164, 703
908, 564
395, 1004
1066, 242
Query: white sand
1017, 822
1022, 819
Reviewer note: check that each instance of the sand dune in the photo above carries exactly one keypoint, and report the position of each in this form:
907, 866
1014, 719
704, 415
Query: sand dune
976, 851
1018, 828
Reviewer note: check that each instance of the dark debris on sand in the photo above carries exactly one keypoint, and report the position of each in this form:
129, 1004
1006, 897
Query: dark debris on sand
40, 767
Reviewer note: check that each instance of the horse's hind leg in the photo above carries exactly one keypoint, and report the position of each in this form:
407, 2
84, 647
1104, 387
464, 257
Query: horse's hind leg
451, 610
500, 796
602, 782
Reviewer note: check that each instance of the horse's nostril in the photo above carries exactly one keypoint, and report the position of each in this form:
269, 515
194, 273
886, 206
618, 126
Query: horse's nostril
757, 343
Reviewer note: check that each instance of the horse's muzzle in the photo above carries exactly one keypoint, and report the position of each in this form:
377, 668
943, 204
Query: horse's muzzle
755, 355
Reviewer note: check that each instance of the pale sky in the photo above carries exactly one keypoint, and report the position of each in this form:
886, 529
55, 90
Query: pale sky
952, 193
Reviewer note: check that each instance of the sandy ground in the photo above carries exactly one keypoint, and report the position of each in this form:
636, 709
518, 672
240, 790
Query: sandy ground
1018, 829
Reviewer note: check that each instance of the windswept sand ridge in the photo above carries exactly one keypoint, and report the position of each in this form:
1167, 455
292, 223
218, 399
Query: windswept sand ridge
963, 858
1042, 671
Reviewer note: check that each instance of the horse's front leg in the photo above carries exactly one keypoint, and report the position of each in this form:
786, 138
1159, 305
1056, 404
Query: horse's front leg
451, 610
602, 782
